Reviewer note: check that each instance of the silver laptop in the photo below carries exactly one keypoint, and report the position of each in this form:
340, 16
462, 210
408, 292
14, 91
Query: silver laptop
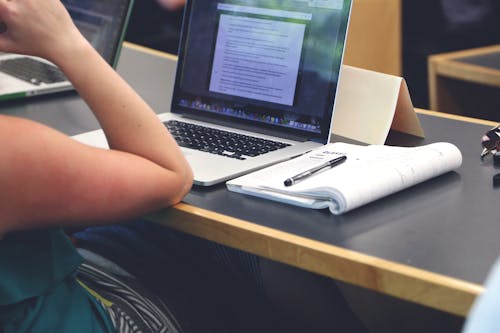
255, 83
103, 23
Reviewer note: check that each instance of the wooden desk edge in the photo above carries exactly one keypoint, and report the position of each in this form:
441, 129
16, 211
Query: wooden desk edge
149, 50
448, 65
412, 284
455, 69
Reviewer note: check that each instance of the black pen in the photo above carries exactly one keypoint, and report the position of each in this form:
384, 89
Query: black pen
330, 164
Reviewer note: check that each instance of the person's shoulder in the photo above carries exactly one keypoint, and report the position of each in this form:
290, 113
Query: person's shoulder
483, 316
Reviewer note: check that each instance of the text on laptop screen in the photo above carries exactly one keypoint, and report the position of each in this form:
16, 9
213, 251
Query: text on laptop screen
272, 62
101, 22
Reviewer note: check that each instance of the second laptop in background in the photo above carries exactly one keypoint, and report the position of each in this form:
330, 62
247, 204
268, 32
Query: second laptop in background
103, 23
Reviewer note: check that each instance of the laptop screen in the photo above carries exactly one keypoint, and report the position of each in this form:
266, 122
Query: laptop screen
102, 23
266, 62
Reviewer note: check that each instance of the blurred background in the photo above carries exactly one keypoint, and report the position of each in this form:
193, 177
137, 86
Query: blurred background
389, 36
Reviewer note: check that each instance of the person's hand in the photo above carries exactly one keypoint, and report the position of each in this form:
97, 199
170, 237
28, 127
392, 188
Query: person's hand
37, 27
172, 4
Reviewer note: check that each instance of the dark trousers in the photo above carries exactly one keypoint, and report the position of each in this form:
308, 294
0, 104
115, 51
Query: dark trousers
214, 288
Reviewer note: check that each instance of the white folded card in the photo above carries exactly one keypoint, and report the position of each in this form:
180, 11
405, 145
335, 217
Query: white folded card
370, 103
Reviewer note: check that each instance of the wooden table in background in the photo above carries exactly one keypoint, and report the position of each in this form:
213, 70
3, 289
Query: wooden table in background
466, 82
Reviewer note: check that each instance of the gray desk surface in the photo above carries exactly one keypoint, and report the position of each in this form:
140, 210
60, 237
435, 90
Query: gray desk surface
449, 225
489, 60
442, 233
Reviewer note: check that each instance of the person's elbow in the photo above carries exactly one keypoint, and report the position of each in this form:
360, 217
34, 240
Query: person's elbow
187, 178
182, 183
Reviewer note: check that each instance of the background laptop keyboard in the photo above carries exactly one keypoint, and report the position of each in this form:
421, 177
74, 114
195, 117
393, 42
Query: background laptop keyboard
220, 142
32, 70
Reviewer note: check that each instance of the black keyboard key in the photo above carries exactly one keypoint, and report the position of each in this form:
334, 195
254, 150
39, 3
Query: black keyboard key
220, 142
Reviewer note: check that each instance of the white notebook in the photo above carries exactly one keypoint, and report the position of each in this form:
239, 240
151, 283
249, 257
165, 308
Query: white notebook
369, 173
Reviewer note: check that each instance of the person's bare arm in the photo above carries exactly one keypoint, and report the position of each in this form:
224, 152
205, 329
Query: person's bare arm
48, 178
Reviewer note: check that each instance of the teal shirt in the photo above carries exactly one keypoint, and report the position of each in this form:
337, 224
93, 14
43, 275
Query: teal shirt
38, 289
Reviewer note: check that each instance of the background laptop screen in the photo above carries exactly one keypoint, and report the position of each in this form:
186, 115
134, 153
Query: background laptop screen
272, 62
101, 22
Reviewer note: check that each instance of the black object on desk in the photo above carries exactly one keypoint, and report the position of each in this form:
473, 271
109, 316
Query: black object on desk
491, 142
496, 180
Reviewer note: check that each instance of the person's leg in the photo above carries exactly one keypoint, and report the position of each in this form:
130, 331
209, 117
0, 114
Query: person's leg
208, 287
225, 289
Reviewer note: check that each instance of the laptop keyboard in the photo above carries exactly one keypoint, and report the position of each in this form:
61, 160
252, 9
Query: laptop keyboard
32, 70
220, 142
